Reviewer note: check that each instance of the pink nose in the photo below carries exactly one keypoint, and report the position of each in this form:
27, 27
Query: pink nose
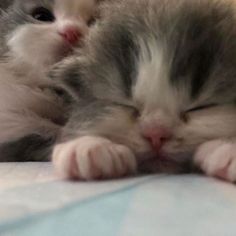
157, 136
71, 35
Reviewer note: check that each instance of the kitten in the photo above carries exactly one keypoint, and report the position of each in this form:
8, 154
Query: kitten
156, 81
35, 34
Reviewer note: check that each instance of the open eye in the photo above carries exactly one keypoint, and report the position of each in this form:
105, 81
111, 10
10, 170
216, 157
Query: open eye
43, 14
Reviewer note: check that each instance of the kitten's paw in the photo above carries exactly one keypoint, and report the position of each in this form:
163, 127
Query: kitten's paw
90, 158
218, 158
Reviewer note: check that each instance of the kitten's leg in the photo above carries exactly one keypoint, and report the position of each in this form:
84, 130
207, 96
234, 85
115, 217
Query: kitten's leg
91, 157
218, 158
98, 148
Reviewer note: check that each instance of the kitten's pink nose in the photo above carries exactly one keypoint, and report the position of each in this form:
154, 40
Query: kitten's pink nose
71, 34
157, 136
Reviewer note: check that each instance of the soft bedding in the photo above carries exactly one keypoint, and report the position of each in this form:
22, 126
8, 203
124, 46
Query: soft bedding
35, 202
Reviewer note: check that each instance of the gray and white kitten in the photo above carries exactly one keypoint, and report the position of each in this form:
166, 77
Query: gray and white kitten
34, 35
156, 80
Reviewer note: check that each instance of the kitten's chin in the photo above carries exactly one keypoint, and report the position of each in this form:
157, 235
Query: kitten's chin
179, 158
58, 52
62, 51
161, 164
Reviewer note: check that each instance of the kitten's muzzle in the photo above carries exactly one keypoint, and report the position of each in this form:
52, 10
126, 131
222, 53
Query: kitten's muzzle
156, 135
71, 35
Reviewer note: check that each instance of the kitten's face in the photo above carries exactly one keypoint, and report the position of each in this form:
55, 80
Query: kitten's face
168, 122
175, 124
185, 91
183, 87
44, 31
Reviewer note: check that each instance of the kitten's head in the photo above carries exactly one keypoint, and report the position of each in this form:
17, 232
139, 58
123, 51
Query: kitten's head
41, 32
176, 66
186, 79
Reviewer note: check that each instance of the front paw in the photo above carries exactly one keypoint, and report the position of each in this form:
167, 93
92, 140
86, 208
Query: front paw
90, 158
218, 158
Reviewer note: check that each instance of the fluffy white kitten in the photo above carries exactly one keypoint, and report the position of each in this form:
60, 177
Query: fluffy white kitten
35, 34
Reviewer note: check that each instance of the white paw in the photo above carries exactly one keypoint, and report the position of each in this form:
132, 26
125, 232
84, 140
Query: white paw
217, 158
90, 158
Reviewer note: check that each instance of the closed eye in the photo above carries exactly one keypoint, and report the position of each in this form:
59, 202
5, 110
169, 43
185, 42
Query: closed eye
184, 116
135, 112
202, 107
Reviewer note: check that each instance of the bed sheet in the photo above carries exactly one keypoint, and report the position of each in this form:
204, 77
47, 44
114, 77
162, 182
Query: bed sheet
35, 202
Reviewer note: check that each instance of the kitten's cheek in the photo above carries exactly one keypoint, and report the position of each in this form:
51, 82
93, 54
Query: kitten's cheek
90, 158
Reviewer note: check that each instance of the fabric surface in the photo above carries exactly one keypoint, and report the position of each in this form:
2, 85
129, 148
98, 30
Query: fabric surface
35, 202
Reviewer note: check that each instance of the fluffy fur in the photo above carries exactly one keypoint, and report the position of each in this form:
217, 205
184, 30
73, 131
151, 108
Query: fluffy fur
156, 81
35, 34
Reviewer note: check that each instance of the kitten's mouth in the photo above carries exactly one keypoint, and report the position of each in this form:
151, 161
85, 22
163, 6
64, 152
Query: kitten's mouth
160, 165
67, 49
64, 50
165, 163
179, 157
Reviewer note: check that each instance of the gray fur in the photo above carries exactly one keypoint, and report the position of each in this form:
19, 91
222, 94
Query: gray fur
32, 108
198, 48
4, 4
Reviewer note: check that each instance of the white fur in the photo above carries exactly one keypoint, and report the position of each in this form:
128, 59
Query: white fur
26, 105
25, 108
203, 125
71, 8
41, 45
89, 158
38, 45
162, 105
218, 158
153, 90
124, 130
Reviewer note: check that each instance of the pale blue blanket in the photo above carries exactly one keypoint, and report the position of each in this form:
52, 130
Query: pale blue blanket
39, 204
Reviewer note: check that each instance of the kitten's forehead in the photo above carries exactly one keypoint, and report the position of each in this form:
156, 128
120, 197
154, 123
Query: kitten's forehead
27, 5
70, 7
61, 7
